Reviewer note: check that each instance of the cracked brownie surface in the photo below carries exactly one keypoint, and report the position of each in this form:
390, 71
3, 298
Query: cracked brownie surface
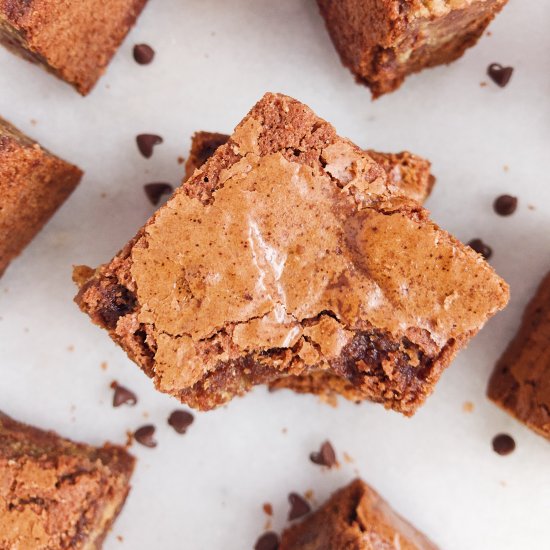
56, 494
287, 259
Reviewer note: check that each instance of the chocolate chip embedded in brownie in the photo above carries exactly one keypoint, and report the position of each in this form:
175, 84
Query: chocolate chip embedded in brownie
520, 383
56, 494
355, 518
410, 173
289, 256
33, 185
73, 40
383, 41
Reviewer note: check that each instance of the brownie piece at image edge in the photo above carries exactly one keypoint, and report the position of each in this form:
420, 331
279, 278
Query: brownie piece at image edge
56, 494
383, 41
73, 40
289, 259
356, 518
409, 172
33, 185
520, 383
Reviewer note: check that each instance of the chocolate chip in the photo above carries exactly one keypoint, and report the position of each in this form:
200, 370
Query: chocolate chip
180, 421
143, 54
146, 142
298, 507
505, 205
325, 456
268, 541
154, 191
503, 444
123, 396
481, 248
146, 436
500, 75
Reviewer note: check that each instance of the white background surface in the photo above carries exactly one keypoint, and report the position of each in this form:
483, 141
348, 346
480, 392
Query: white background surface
214, 61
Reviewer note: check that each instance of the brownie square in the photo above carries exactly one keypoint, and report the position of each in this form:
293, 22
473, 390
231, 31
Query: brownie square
383, 41
56, 494
33, 185
73, 40
409, 172
355, 518
520, 383
289, 258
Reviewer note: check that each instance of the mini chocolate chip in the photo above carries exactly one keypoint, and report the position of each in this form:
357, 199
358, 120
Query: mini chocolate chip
143, 54
146, 142
123, 396
146, 436
325, 456
503, 444
180, 421
500, 75
154, 191
298, 507
481, 248
505, 205
268, 541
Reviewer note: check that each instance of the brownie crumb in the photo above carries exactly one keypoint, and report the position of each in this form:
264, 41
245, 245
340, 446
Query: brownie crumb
181, 160
268, 509
503, 444
146, 143
468, 407
143, 54
325, 456
299, 507
500, 75
155, 191
268, 541
123, 396
146, 436
180, 420
505, 205
481, 248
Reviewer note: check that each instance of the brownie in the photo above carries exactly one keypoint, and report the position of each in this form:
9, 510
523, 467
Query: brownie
520, 383
383, 41
73, 40
410, 173
56, 494
290, 259
33, 185
355, 518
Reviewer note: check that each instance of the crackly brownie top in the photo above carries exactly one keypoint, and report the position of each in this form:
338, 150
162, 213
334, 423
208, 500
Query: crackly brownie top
291, 233
56, 494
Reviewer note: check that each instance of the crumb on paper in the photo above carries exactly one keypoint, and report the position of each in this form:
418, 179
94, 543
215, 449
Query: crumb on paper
531, 206
34, 122
145, 414
330, 399
103, 195
267, 508
483, 84
120, 538
309, 495
129, 439
504, 484
347, 458
181, 160
488, 33
506, 168
104, 365
70, 348
284, 430
468, 407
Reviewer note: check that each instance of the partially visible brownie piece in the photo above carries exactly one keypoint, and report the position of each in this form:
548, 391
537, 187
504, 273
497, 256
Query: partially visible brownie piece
33, 185
290, 254
410, 173
520, 383
355, 518
56, 494
383, 41
75, 40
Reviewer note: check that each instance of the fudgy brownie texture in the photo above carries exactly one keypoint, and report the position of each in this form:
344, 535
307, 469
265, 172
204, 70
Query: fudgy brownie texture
33, 185
520, 383
56, 494
410, 173
74, 40
383, 41
355, 518
290, 259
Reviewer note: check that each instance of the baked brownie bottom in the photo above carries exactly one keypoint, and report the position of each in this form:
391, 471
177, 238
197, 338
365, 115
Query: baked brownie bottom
289, 253
383, 41
520, 383
56, 494
410, 173
33, 185
73, 40
355, 518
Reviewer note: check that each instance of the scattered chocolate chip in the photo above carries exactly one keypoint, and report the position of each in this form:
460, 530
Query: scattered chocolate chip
123, 396
481, 248
500, 75
146, 143
503, 444
146, 436
143, 54
325, 456
154, 191
268, 541
180, 421
505, 205
298, 507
